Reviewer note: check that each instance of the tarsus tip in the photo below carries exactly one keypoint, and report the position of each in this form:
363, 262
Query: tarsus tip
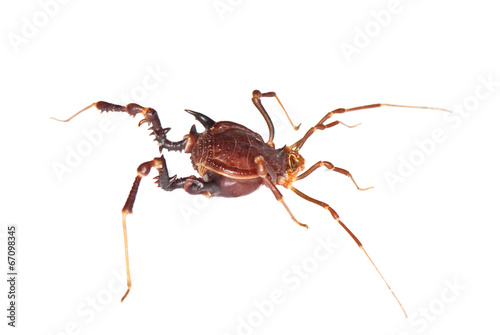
125, 295
53, 118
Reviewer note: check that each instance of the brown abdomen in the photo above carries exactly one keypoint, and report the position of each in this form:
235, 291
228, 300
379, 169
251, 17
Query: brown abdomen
230, 149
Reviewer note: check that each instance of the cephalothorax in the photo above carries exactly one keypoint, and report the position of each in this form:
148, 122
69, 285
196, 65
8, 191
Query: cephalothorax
232, 160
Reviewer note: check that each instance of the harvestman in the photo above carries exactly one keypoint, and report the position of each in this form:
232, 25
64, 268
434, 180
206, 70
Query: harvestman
233, 161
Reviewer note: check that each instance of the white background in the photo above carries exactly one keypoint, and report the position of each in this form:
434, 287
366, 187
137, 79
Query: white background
201, 275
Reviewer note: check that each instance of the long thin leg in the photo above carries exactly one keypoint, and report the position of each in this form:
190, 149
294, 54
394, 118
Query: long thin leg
330, 166
256, 101
150, 117
358, 242
142, 171
321, 126
261, 169
192, 185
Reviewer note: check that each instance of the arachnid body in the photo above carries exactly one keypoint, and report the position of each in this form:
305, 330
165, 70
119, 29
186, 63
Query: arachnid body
232, 160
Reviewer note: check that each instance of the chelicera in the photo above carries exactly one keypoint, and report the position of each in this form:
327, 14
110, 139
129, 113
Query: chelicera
233, 161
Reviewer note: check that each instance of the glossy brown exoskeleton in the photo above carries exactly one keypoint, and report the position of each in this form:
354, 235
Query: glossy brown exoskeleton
231, 160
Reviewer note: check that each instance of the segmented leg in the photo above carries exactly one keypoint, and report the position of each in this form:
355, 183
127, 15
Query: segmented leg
256, 101
358, 242
321, 126
142, 171
263, 173
150, 117
333, 168
192, 185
